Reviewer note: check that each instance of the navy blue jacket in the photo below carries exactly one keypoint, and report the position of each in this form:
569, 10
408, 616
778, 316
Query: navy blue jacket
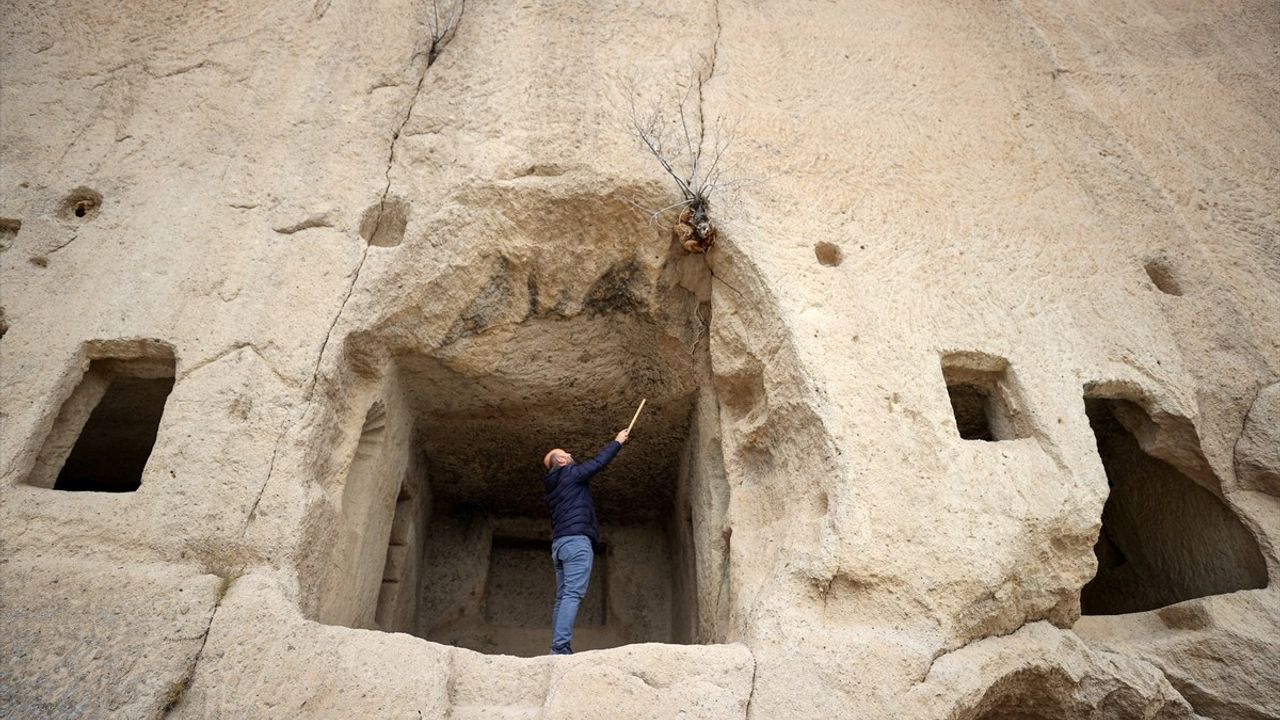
568, 496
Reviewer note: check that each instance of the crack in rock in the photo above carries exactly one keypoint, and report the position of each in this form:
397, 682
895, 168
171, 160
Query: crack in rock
355, 278
711, 71
179, 690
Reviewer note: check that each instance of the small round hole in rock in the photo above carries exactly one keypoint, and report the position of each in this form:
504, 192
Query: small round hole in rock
828, 254
1163, 278
81, 204
9, 228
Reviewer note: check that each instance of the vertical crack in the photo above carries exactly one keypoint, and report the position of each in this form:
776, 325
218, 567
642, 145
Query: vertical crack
395, 138
178, 690
451, 684
704, 78
1244, 425
423, 55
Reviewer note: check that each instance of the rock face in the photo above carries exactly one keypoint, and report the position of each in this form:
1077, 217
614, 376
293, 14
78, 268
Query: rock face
1258, 450
969, 412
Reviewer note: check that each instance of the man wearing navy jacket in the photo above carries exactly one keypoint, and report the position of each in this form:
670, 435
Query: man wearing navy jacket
574, 533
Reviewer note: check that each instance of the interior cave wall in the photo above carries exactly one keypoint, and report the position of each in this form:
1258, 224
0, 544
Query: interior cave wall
383, 467
403, 568
700, 532
628, 601
657, 576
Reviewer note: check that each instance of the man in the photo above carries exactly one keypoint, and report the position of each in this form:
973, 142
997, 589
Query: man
574, 533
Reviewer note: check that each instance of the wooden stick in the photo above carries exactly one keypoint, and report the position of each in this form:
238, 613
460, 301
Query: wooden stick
633, 417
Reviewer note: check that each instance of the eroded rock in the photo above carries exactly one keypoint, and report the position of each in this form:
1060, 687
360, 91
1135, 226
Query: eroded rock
1258, 449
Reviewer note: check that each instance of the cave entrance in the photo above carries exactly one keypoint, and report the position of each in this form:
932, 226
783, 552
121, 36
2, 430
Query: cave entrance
457, 465
1164, 538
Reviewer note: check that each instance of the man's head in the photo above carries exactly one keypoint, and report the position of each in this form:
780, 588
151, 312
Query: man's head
557, 459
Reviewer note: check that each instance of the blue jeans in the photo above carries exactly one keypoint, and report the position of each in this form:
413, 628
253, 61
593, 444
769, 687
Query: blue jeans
572, 556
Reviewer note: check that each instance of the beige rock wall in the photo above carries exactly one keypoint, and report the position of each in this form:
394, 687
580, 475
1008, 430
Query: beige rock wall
1061, 201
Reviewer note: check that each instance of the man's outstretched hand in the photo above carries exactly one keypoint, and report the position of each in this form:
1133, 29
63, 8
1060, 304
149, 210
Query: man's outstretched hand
622, 437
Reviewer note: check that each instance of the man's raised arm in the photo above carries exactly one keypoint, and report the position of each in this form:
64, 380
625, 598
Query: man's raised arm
597, 463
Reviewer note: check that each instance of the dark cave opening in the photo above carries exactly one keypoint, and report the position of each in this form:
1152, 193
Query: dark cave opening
106, 429
451, 454
1164, 538
984, 402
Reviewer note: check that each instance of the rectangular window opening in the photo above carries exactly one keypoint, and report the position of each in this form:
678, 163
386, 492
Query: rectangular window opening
983, 400
105, 431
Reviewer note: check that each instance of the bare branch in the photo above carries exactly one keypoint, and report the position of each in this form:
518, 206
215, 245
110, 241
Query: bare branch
696, 164
694, 154
722, 141
442, 33
649, 129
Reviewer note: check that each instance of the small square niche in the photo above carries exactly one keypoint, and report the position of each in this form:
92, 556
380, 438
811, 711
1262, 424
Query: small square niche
984, 401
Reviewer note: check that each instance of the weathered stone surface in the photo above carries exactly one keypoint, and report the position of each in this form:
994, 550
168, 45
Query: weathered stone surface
391, 275
1217, 651
99, 639
1258, 449
264, 660
1043, 672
